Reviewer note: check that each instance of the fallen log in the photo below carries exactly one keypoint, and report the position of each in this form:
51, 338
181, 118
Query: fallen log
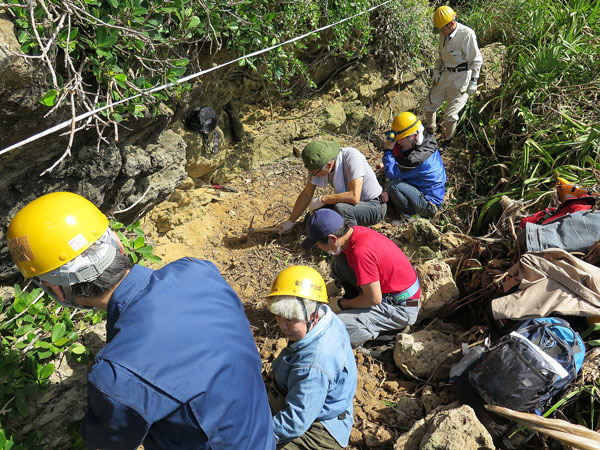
561, 430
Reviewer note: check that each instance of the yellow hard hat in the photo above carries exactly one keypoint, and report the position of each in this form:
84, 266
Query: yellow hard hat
443, 16
300, 281
52, 230
404, 124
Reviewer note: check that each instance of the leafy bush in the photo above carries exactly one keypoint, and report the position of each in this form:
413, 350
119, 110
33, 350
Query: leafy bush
35, 331
100, 51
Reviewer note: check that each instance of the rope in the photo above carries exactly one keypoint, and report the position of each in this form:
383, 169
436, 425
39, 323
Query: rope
68, 123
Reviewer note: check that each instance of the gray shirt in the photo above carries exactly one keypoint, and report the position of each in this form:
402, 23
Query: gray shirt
355, 165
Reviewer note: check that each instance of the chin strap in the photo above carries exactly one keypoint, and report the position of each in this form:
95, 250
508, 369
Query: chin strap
309, 322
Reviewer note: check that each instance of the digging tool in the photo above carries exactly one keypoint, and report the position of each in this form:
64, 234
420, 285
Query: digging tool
252, 229
220, 187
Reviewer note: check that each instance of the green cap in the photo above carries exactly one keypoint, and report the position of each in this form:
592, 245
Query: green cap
316, 154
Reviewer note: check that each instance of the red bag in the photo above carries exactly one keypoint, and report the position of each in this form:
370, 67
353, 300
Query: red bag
569, 206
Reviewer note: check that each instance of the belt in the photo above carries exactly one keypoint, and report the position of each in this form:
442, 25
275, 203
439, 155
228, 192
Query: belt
403, 298
460, 68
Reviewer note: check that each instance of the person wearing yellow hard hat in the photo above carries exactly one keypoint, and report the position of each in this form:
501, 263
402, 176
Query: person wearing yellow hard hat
177, 339
455, 72
315, 375
413, 167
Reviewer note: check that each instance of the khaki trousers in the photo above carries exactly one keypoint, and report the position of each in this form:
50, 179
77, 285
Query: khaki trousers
452, 88
316, 438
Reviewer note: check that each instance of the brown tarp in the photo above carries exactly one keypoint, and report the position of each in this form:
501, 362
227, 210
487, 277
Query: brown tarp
551, 281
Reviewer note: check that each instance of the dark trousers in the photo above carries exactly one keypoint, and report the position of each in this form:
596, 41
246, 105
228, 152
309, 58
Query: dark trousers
316, 438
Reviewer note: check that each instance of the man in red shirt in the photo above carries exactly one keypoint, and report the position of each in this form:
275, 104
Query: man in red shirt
381, 287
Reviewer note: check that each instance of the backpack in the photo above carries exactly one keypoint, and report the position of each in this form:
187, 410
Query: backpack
569, 206
204, 120
525, 370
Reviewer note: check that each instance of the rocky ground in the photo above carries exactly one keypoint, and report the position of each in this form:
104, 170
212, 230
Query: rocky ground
216, 225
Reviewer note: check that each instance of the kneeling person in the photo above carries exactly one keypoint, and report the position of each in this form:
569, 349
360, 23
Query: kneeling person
315, 375
382, 291
357, 195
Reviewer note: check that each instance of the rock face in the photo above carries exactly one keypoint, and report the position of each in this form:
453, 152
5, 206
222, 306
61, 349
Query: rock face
452, 427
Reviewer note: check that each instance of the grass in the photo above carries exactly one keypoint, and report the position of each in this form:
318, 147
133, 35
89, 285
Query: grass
545, 119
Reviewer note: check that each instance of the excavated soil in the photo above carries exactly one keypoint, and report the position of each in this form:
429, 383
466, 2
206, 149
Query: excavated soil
214, 225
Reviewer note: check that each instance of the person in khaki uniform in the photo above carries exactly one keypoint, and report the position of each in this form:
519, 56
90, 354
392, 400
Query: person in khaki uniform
456, 70
314, 376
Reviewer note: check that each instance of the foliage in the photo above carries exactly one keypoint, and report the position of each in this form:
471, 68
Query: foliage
545, 119
36, 331
135, 245
97, 52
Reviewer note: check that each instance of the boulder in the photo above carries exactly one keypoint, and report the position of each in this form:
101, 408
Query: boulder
438, 288
452, 427
426, 353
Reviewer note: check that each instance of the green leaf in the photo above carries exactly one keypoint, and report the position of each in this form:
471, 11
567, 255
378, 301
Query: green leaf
46, 371
594, 343
20, 305
49, 98
106, 38
139, 242
120, 77
78, 349
61, 341
154, 258
194, 22
58, 331
113, 3
46, 354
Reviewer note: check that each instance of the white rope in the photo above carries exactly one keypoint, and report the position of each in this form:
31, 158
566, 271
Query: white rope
68, 123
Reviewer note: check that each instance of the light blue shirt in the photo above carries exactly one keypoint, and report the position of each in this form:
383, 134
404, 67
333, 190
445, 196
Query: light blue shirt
318, 373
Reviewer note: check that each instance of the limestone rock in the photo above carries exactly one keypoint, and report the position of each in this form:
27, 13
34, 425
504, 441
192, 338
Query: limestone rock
438, 288
420, 353
334, 117
450, 428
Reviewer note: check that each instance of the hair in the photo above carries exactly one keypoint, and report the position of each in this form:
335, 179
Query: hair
290, 307
108, 280
341, 231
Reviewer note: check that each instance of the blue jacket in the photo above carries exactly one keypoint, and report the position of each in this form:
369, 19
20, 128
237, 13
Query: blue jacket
422, 167
180, 369
319, 374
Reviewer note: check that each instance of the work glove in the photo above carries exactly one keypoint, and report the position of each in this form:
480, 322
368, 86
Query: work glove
436, 75
315, 204
472, 87
286, 227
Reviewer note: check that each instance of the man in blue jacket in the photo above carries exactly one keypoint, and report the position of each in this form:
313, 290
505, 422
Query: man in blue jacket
414, 168
180, 369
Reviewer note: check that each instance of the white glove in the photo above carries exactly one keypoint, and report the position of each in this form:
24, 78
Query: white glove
315, 204
436, 75
286, 227
472, 87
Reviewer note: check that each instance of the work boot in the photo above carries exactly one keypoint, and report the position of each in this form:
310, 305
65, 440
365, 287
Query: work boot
430, 119
449, 130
